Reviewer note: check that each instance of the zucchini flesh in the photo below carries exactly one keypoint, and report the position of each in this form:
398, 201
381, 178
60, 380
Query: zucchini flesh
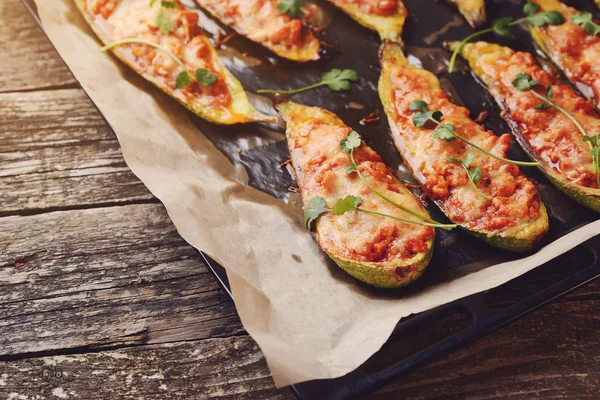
377, 250
571, 49
388, 22
546, 135
223, 102
472, 10
260, 21
515, 218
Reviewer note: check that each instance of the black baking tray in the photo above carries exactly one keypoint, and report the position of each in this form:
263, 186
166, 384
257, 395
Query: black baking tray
262, 150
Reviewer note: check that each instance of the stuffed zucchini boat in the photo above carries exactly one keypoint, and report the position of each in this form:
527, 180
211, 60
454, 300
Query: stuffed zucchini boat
574, 50
386, 17
550, 136
162, 42
472, 10
262, 21
379, 250
451, 158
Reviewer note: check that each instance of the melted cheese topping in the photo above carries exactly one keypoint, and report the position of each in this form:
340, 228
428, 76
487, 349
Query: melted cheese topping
574, 50
314, 136
121, 19
552, 136
261, 22
514, 198
375, 7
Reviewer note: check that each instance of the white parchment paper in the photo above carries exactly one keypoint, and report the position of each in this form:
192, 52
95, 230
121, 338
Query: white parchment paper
310, 320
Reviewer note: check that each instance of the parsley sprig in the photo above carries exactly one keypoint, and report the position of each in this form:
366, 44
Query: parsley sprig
203, 76
585, 20
165, 25
317, 206
447, 132
293, 8
337, 80
354, 141
523, 82
474, 173
502, 26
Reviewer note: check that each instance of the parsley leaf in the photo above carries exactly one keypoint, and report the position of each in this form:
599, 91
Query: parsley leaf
545, 18
347, 204
168, 4
530, 8
469, 158
445, 132
293, 8
473, 173
421, 118
585, 20
337, 80
340, 79
165, 25
524, 82
316, 207
501, 26
205, 77
352, 142
183, 79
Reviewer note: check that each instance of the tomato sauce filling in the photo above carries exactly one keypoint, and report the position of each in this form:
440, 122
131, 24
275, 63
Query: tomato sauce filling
514, 198
320, 167
573, 49
122, 19
552, 135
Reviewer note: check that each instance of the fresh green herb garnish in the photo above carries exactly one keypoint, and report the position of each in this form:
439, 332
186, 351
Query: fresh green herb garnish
203, 76
523, 82
448, 132
292, 8
502, 26
474, 173
354, 141
585, 20
164, 24
337, 80
317, 207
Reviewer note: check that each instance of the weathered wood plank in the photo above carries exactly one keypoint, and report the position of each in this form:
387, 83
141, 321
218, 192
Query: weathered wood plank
231, 368
56, 151
551, 353
104, 277
28, 59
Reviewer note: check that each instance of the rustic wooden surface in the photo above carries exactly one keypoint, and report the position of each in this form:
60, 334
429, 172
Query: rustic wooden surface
101, 299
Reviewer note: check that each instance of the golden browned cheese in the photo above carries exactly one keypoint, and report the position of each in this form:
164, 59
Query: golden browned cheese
313, 136
472, 10
514, 204
112, 20
572, 49
554, 138
260, 21
386, 17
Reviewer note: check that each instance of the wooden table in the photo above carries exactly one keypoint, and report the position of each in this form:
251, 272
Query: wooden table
101, 299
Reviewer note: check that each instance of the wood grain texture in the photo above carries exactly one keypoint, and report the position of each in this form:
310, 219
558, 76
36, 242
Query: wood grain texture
104, 277
28, 59
56, 151
230, 368
551, 353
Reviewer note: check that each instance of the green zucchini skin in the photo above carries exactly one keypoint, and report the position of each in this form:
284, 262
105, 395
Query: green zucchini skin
523, 240
386, 277
588, 197
383, 274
